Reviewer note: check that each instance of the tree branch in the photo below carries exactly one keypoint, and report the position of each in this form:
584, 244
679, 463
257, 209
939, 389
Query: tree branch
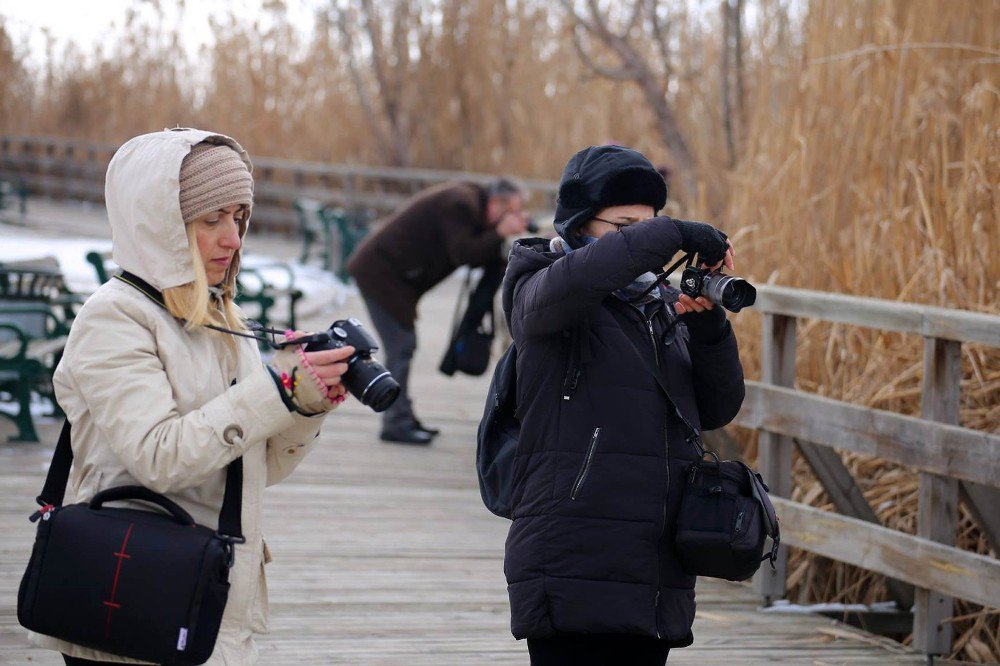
661, 35
622, 73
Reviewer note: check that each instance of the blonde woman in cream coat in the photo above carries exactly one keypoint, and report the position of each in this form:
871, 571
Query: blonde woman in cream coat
154, 397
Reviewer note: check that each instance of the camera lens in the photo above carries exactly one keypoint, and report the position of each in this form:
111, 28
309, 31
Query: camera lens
732, 293
371, 383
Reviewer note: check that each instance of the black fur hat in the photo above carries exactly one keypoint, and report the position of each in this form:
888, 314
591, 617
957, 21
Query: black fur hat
601, 176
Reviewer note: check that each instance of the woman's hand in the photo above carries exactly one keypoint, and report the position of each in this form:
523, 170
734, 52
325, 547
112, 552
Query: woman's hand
310, 382
687, 304
330, 365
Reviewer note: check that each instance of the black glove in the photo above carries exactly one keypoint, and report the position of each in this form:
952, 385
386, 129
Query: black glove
707, 327
704, 239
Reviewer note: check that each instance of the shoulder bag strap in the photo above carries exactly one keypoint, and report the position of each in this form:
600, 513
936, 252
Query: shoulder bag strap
691, 433
54, 489
463, 297
230, 515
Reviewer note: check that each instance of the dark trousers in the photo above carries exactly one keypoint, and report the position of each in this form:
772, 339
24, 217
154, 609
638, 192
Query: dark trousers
597, 650
399, 342
76, 661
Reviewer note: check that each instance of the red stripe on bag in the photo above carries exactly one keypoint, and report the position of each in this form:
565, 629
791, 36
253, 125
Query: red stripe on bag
121, 555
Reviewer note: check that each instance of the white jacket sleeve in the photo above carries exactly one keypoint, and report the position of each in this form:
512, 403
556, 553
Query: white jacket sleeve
112, 359
287, 449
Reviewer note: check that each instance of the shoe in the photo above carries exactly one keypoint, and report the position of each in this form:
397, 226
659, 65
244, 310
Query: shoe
406, 436
433, 432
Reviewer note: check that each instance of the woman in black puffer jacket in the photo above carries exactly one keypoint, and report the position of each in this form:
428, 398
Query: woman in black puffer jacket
591, 569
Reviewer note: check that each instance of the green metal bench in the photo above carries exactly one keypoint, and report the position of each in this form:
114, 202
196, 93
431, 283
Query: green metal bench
251, 287
36, 311
337, 231
314, 225
12, 191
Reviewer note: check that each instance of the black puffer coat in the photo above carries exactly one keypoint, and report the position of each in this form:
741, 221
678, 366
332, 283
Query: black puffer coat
599, 469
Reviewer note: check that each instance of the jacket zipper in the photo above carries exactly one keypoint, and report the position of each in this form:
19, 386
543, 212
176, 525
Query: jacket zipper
586, 464
666, 462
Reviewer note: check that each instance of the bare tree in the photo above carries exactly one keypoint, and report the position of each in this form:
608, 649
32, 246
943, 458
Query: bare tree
732, 67
627, 58
380, 75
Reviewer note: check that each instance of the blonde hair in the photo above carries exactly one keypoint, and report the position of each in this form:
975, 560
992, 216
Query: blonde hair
192, 303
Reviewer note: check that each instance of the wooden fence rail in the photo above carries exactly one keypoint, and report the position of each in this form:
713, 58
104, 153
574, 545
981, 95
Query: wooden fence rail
69, 168
953, 463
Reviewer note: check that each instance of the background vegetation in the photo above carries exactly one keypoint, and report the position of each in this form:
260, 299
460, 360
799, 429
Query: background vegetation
847, 145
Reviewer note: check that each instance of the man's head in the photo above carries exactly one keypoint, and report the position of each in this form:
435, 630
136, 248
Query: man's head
606, 186
503, 198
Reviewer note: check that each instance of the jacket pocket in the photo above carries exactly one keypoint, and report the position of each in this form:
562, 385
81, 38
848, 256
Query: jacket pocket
585, 468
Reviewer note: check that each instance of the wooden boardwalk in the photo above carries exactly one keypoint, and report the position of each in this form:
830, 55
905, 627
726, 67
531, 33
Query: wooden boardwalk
384, 554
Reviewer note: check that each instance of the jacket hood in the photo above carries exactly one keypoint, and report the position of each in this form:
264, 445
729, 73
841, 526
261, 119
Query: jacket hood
527, 255
601, 176
142, 191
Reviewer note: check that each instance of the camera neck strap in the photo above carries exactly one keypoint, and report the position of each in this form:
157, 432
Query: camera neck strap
153, 294
230, 515
661, 277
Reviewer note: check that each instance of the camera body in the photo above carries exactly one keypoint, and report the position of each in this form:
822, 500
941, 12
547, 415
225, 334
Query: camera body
366, 379
730, 292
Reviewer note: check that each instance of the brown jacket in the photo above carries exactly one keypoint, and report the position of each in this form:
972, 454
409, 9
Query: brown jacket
420, 244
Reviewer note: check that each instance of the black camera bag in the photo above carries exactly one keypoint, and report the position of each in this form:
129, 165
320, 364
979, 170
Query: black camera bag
725, 514
471, 340
141, 584
724, 520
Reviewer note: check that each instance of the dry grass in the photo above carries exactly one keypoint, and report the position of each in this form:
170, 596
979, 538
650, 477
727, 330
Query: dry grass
873, 169
869, 163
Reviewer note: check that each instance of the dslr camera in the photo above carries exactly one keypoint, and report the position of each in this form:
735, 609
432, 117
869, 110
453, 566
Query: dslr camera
730, 292
366, 379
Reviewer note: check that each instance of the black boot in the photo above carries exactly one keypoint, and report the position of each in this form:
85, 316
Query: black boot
433, 432
406, 435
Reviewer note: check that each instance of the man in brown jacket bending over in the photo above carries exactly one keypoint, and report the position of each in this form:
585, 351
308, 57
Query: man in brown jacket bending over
418, 246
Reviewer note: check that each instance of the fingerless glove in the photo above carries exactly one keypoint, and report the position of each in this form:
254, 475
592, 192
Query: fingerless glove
300, 387
704, 239
708, 327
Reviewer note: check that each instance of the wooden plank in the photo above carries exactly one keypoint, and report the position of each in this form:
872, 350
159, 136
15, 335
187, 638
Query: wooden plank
914, 559
939, 448
982, 502
774, 451
937, 516
925, 320
847, 497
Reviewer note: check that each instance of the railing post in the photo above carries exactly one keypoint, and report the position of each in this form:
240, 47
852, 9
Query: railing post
774, 452
937, 518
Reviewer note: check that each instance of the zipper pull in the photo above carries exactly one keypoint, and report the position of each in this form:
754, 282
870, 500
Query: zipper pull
739, 521
44, 513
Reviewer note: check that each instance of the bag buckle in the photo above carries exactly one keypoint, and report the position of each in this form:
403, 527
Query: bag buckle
43, 513
230, 542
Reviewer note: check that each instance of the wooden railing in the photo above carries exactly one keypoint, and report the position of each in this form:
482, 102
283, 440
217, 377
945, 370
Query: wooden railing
68, 168
952, 462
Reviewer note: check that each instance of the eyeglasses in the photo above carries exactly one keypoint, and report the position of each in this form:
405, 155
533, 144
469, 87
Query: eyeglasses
617, 225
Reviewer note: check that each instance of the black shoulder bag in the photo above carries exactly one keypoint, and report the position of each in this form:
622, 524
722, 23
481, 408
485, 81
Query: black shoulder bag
148, 585
471, 339
725, 515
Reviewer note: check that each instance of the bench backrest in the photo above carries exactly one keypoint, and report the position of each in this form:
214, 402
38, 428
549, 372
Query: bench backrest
26, 298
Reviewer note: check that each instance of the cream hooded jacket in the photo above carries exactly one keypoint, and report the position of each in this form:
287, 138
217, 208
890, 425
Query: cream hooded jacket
156, 405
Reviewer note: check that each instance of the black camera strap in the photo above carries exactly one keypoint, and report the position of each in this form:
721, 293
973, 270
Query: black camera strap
153, 294
230, 515
661, 277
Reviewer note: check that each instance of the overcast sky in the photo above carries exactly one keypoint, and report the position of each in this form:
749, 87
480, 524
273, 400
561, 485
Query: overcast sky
90, 21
